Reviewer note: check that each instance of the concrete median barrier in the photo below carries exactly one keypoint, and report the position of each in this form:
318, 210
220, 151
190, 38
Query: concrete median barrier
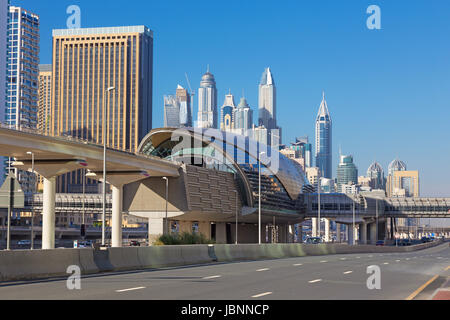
160, 256
36, 264
195, 254
124, 258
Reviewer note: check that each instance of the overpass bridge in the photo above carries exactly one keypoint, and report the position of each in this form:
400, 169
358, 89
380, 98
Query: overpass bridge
203, 195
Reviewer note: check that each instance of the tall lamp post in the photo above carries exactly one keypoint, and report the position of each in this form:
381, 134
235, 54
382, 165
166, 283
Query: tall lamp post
104, 161
166, 227
319, 207
236, 195
259, 201
32, 199
353, 226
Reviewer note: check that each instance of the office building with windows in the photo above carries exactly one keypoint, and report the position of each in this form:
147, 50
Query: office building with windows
347, 172
45, 98
227, 113
4, 12
97, 68
171, 112
22, 79
184, 100
324, 140
243, 118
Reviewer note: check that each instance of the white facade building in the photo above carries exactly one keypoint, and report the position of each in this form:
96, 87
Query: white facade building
3, 32
207, 102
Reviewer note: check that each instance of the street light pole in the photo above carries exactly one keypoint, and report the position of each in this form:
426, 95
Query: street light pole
353, 227
259, 201
236, 194
167, 200
32, 199
319, 207
104, 161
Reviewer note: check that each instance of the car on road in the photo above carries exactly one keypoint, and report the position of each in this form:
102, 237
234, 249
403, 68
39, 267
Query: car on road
425, 239
134, 243
405, 242
380, 243
85, 244
24, 242
313, 240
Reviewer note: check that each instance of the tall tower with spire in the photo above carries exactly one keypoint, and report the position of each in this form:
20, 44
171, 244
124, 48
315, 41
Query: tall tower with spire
324, 140
207, 102
267, 101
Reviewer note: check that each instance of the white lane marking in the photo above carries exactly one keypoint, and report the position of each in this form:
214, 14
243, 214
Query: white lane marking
343, 258
130, 289
348, 272
323, 261
262, 295
358, 257
265, 269
211, 277
371, 256
439, 257
407, 258
298, 264
386, 263
314, 281
397, 260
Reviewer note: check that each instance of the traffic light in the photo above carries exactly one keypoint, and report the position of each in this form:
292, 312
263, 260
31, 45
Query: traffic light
83, 230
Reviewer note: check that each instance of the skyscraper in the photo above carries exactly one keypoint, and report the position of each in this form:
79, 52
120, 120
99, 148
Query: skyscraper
207, 102
22, 77
347, 173
243, 118
45, 98
396, 165
376, 175
4, 10
86, 62
268, 109
227, 113
267, 101
171, 112
184, 100
324, 140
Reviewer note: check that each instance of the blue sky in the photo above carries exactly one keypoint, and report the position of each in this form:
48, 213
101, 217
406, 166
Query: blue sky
387, 90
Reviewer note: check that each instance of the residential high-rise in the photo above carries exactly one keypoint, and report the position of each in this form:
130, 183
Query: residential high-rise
207, 102
4, 10
405, 184
227, 113
324, 140
396, 165
45, 98
171, 112
304, 148
86, 63
347, 172
376, 175
184, 100
243, 118
22, 77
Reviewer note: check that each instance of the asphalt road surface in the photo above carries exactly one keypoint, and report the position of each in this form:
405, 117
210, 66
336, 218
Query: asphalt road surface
403, 276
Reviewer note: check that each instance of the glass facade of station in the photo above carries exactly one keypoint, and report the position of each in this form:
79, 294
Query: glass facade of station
282, 180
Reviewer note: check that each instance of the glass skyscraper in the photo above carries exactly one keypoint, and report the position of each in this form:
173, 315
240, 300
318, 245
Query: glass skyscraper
227, 114
347, 172
376, 175
171, 112
22, 77
4, 11
243, 118
324, 141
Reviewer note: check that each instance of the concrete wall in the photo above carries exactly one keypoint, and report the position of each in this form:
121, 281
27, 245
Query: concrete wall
26, 265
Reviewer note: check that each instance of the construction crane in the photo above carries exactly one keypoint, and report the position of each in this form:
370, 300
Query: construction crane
192, 93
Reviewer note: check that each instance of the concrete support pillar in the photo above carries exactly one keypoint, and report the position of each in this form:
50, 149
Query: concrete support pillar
291, 232
327, 230
117, 194
373, 232
314, 227
48, 214
350, 234
155, 228
363, 232
338, 232
300, 233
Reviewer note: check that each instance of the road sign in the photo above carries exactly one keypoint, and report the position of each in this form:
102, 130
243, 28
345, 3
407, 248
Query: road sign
11, 193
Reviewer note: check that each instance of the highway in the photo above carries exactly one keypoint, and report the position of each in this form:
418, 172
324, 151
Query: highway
341, 277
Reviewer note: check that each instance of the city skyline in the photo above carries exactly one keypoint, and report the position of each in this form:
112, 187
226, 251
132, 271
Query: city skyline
381, 78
